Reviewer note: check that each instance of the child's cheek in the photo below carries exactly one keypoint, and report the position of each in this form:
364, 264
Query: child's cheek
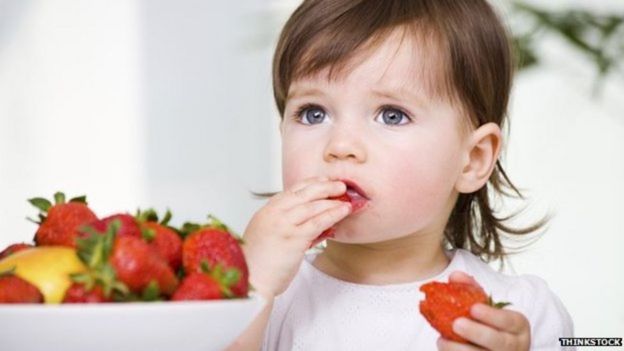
420, 192
294, 172
290, 176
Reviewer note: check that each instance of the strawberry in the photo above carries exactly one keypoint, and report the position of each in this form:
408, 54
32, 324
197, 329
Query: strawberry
214, 244
162, 238
344, 197
208, 285
330, 232
14, 289
445, 302
136, 265
124, 265
59, 223
13, 248
198, 286
128, 225
79, 293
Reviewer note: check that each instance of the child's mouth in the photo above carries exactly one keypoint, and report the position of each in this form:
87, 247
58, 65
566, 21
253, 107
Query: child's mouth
358, 199
355, 195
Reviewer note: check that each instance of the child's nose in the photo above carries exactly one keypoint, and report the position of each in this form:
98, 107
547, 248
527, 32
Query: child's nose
345, 145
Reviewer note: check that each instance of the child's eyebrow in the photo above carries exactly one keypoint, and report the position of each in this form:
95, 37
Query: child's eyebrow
400, 95
301, 92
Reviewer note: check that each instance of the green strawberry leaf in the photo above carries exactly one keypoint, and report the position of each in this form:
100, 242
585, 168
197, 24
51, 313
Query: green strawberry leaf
40, 203
501, 304
148, 215
167, 218
151, 292
498, 305
214, 222
188, 228
95, 249
86, 279
231, 277
80, 199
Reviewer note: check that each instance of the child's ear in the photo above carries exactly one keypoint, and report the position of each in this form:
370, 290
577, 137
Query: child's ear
480, 155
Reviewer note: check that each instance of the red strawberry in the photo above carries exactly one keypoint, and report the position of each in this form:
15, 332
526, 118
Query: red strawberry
128, 225
329, 233
136, 265
14, 289
215, 244
445, 302
344, 197
210, 284
198, 286
124, 265
162, 238
166, 242
60, 226
13, 248
79, 293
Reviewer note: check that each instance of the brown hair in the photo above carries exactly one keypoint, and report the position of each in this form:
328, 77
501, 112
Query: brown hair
477, 69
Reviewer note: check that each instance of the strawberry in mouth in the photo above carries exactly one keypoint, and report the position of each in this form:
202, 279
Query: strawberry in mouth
354, 194
358, 199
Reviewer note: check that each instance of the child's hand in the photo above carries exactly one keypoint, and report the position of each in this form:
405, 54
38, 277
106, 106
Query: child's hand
278, 235
496, 329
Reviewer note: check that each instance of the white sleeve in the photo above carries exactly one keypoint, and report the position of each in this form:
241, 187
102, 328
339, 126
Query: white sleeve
548, 317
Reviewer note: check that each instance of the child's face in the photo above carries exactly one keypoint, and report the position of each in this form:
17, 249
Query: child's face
377, 126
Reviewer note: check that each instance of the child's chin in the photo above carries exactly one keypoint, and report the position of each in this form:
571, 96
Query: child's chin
345, 237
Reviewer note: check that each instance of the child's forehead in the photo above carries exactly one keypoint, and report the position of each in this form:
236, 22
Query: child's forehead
398, 62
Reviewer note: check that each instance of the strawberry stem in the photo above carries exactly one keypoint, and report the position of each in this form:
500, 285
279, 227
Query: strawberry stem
59, 198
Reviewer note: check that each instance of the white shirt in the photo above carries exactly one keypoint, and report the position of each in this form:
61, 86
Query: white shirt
320, 312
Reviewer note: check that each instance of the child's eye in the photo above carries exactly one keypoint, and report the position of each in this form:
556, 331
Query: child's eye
393, 116
310, 114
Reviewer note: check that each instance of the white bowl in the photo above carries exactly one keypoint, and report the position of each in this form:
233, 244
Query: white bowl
192, 325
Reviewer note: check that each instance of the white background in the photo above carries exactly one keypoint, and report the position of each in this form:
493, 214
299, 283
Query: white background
163, 103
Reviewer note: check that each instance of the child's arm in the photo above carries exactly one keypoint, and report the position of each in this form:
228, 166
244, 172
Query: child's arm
251, 339
277, 238
492, 329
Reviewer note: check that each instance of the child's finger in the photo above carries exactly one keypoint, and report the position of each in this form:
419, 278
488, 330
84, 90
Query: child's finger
481, 334
304, 183
507, 320
314, 191
305, 211
317, 224
298, 186
449, 345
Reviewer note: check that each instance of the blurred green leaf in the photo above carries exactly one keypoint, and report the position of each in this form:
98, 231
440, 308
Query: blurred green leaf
600, 37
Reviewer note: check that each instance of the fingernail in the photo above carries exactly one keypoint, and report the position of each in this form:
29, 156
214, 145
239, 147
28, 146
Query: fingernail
459, 324
476, 310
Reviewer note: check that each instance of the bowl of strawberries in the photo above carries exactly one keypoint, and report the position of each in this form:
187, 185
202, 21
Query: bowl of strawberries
123, 282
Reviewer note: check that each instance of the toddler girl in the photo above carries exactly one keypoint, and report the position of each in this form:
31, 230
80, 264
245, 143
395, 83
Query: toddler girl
398, 104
